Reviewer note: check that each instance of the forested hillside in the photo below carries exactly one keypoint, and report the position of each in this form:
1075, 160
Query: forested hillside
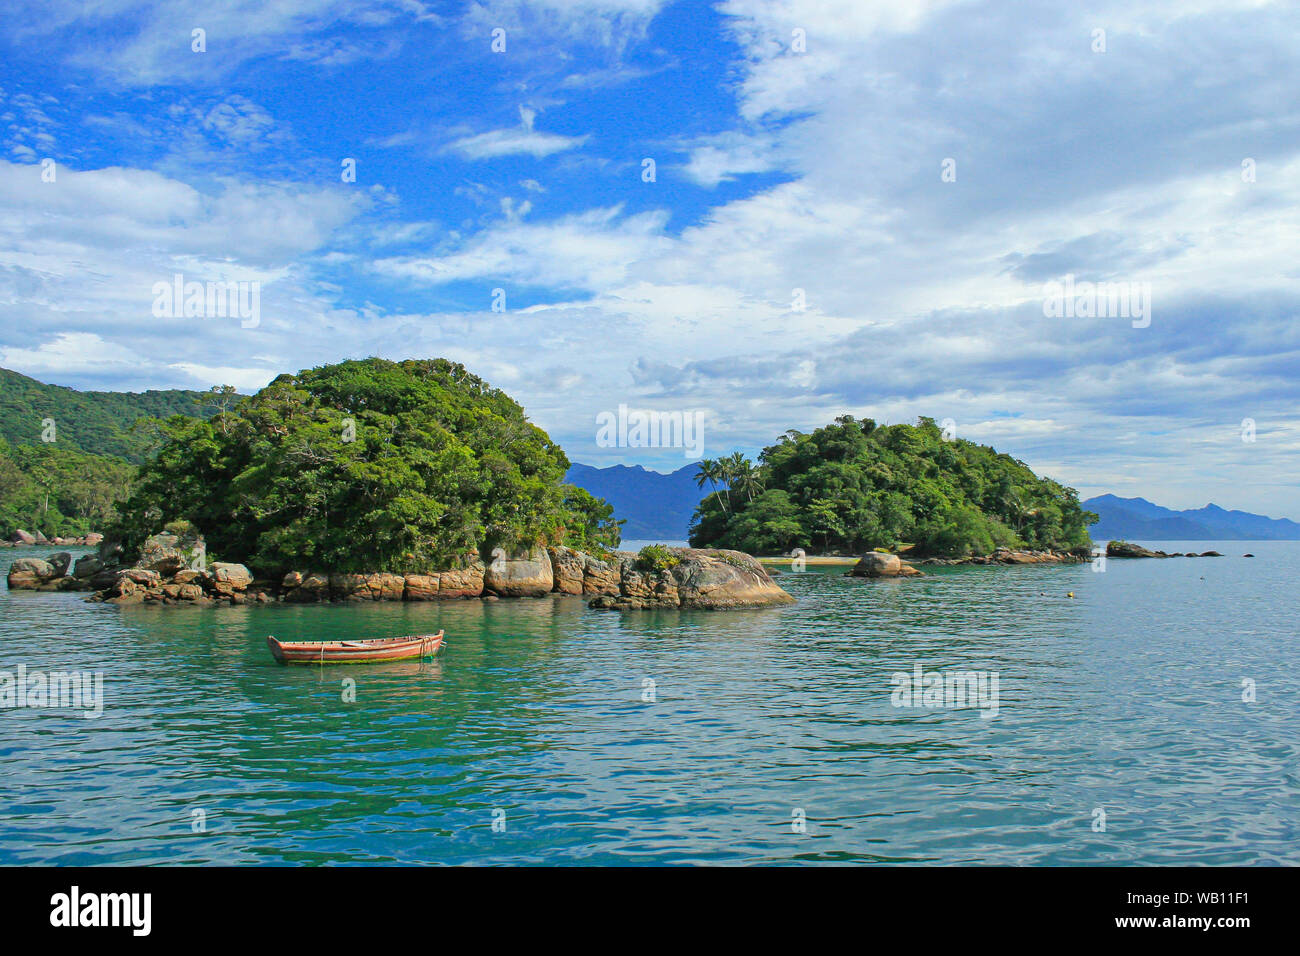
66, 457
95, 422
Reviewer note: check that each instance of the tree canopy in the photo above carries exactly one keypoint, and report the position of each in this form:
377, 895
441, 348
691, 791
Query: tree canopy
57, 490
365, 466
853, 486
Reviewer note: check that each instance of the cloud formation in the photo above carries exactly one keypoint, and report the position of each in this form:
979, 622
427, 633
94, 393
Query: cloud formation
856, 208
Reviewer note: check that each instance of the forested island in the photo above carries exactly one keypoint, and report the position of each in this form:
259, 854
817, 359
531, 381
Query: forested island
364, 466
855, 486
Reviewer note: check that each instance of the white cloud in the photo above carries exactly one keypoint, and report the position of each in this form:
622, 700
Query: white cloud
246, 380
151, 42
512, 142
70, 353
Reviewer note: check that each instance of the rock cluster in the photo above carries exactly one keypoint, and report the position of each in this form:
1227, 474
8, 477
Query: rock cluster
21, 537
1021, 556
698, 579
1126, 549
618, 580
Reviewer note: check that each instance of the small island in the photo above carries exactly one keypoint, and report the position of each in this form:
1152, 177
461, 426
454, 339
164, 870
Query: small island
912, 492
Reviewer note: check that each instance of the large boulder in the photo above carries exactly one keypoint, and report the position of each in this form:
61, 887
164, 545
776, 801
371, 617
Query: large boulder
28, 574
23, 537
60, 563
650, 587
601, 577
694, 578
236, 577
420, 587
87, 566
379, 586
1126, 549
462, 582
567, 569
306, 588
142, 576
128, 586
168, 553
878, 564
726, 579
523, 574
103, 578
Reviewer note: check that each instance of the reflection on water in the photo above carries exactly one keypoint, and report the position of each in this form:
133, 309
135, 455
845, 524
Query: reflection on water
595, 737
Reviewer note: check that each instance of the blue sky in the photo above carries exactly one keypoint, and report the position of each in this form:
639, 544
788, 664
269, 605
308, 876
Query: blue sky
797, 145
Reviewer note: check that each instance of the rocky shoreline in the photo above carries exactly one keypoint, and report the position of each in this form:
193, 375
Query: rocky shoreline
881, 564
1126, 549
167, 573
1021, 556
23, 539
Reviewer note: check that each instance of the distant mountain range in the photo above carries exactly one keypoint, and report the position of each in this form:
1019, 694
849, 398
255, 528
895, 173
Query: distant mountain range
659, 507
1138, 518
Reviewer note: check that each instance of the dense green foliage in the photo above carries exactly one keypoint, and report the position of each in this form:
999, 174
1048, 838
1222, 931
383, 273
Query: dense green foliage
853, 486
365, 466
57, 490
65, 456
100, 423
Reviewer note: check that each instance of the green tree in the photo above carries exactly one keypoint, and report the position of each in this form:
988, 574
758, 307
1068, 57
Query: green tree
364, 466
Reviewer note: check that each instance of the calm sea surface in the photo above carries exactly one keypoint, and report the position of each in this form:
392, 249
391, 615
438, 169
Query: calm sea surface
1126, 700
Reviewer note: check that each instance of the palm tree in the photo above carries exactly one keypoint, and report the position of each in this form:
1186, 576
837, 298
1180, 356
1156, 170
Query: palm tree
710, 471
1014, 507
735, 468
747, 478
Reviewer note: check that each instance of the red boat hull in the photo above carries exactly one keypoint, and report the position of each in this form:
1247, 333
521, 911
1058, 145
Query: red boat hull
355, 652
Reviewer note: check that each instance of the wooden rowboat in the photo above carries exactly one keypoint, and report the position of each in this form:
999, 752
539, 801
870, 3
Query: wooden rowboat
355, 652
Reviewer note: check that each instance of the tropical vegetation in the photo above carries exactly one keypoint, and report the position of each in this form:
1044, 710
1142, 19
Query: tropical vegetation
67, 457
365, 466
853, 486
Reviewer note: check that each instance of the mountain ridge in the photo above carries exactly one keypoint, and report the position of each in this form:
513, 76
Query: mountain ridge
1140, 518
656, 505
